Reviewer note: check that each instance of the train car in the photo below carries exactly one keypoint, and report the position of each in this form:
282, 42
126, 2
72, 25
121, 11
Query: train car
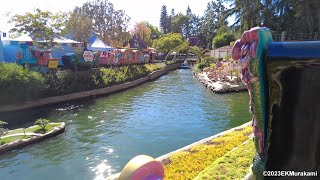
39, 60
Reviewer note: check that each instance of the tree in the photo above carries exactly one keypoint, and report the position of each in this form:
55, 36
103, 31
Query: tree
188, 23
213, 18
144, 31
42, 25
164, 20
223, 37
79, 26
42, 123
155, 32
2, 130
110, 24
179, 24
247, 13
168, 42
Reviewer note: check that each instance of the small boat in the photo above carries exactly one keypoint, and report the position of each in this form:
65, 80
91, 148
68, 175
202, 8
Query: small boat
185, 65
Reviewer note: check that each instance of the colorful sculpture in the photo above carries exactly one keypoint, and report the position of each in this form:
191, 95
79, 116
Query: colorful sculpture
250, 51
283, 84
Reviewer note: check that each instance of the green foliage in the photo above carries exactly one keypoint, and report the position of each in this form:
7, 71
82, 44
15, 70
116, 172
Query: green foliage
234, 165
66, 82
223, 39
42, 123
168, 42
188, 164
2, 123
227, 57
2, 130
164, 20
42, 25
79, 26
18, 84
111, 24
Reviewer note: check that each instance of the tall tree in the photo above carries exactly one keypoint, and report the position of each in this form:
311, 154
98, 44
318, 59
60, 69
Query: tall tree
144, 31
79, 26
155, 32
109, 23
188, 25
164, 20
213, 18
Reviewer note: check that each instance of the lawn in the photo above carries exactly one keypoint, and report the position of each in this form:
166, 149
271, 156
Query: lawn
12, 138
34, 129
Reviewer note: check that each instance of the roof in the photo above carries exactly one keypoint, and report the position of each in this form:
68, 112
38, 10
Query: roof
98, 44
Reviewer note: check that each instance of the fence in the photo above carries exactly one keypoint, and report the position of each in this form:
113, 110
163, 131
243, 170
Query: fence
221, 52
296, 36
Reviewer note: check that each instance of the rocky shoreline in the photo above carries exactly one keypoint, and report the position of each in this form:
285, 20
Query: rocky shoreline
220, 87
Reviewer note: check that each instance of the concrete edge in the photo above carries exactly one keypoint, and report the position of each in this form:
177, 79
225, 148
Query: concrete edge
239, 88
162, 158
85, 94
24, 142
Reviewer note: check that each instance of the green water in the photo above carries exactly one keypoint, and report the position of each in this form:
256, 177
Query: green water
103, 134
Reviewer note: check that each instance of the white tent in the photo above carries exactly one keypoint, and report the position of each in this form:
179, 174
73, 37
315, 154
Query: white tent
24, 37
99, 45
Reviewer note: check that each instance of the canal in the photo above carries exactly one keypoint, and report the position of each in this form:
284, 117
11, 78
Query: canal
103, 134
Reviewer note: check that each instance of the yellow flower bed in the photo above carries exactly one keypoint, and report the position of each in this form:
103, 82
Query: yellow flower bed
188, 164
234, 165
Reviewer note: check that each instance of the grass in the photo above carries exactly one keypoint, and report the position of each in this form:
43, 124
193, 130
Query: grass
188, 164
12, 138
34, 129
234, 165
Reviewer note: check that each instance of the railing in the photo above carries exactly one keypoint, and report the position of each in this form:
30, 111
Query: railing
296, 36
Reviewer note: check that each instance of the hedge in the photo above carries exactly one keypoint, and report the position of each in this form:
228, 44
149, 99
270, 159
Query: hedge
18, 84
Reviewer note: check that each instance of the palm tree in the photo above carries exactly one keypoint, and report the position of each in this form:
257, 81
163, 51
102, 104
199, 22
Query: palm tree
247, 13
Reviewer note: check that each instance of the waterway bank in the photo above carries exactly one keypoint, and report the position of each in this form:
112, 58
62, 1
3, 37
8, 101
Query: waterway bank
86, 94
220, 87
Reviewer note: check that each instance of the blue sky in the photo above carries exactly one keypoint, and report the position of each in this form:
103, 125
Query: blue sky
138, 10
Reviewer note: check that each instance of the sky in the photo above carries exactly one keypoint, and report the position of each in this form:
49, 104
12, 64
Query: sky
138, 10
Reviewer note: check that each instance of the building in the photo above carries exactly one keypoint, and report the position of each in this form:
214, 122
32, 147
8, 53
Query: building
194, 41
2, 34
136, 42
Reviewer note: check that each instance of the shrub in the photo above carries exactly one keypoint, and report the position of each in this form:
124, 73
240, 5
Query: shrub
227, 57
42, 123
19, 84
223, 39
2, 130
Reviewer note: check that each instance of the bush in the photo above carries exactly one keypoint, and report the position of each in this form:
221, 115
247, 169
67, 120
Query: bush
223, 39
19, 84
227, 57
